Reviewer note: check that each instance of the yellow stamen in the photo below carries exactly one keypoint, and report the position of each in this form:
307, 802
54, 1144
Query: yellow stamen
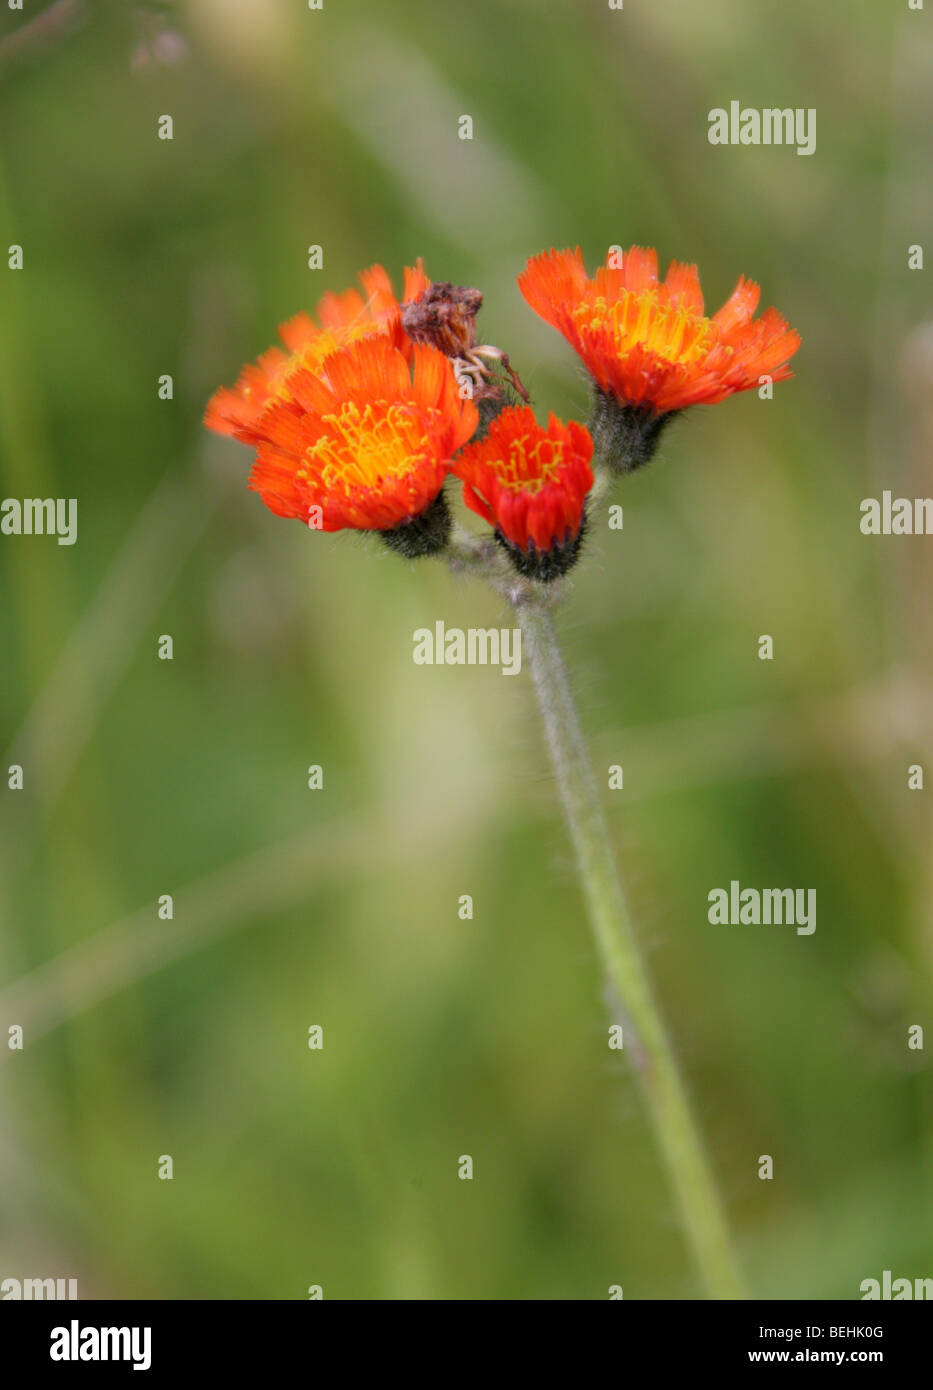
529, 470
666, 330
364, 447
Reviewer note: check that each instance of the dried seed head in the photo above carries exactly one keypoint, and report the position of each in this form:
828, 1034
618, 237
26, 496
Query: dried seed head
445, 317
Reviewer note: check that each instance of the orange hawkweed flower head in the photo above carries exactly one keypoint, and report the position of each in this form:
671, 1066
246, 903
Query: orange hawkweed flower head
531, 485
648, 344
343, 318
366, 442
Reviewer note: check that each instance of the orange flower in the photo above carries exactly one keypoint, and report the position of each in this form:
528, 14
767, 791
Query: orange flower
530, 484
366, 443
648, 344
344, 318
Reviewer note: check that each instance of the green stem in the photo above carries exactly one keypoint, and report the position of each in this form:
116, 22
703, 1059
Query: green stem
644, 1033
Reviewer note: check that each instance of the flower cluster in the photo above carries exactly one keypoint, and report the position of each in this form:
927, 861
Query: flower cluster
359, 420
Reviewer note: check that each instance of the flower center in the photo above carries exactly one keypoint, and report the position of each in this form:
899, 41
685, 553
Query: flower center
529, 469
635, 320
364, 447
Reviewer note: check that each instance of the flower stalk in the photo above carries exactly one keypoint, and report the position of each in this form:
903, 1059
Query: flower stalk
644, 1034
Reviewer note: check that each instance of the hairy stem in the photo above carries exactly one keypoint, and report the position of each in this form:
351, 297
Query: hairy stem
644, 1033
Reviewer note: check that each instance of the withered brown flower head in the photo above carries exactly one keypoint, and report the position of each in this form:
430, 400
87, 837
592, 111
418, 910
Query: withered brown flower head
445, 317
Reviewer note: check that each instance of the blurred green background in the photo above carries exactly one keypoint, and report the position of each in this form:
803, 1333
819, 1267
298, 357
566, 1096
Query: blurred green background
339, 907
